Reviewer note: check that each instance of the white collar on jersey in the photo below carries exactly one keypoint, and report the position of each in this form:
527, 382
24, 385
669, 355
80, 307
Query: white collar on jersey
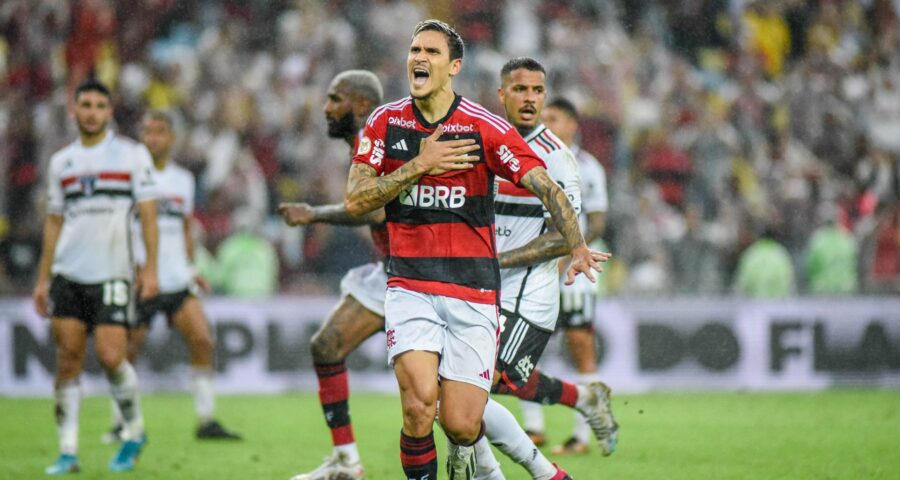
537, 131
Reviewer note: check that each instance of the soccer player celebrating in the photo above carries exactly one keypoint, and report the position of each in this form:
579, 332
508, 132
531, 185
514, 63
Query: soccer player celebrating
179, 284
352, 96
578, 300
84, 278
530, 279
430, 160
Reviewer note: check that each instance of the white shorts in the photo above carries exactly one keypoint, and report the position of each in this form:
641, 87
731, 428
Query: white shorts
367, 284
463, 333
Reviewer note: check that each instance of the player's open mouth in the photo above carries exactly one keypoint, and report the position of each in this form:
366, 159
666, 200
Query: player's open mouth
420, 76
527, 112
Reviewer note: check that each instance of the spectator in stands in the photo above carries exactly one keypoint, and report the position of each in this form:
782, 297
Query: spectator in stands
765, 270
832, 258
247, 265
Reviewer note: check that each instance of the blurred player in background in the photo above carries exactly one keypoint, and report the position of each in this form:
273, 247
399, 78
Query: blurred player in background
85, 274
352, 96
440, 307
530, 286
576, 315
179, 283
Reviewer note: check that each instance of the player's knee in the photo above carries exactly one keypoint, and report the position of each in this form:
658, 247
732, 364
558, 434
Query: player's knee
462, 429
69, 362
418, 416
110, 357
324, 350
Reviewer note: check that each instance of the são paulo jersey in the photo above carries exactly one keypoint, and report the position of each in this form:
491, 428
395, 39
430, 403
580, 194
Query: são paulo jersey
593, 199
441, 229
175, 203
533, 291
593, 184
95, 189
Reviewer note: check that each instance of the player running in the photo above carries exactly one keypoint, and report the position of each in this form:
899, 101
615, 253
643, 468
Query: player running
578, 301
179, 283
85, 274
352, 96
529, 287
440, 308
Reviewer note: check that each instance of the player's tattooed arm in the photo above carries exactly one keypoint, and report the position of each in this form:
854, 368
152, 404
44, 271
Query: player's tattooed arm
564, 217
367, 191
544, 247
295, 214
538, 182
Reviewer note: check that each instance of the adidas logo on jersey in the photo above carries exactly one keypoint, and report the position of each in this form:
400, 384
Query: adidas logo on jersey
401, 145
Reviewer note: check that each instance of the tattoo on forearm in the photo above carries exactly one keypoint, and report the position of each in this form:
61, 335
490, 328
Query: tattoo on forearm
540, 249
337, 214
366, 191
554, 198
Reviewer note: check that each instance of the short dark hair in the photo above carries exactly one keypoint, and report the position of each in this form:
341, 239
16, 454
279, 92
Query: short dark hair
563, 104
92, 85
161, 116
527, 63
454, 41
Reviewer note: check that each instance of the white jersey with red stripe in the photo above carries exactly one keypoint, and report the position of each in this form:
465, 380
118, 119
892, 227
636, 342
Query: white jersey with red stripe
533, 292
95, 189
174, 204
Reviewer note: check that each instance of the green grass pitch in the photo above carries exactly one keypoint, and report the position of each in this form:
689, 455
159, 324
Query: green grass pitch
832, 435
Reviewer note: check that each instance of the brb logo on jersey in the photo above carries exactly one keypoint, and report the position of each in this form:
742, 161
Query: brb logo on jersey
438, 196
401, 122
377, 152
507, 158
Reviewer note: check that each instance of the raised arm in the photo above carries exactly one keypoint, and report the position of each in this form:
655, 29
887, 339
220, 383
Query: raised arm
366, 191
565, 219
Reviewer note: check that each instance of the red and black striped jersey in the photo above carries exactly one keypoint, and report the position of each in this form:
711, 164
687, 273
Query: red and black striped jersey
442, 228
377, 230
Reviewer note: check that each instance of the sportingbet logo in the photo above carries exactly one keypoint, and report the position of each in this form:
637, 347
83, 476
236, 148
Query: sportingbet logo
439, 196
377, 152
457, 128
508, 159
401, 122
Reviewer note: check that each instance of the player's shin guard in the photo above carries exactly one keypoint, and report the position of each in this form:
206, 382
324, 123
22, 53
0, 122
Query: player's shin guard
505, 433
418, 457
334, 391
68, 404
124, 388
204, 396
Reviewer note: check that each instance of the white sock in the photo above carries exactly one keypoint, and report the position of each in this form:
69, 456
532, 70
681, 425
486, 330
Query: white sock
124, 388
488, 467
204, 397
115, 413
582, 396
505, 433
68, 404
348, 452
459, 456
582, 431
532, 416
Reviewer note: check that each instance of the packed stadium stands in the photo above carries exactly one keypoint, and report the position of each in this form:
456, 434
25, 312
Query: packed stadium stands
721, 123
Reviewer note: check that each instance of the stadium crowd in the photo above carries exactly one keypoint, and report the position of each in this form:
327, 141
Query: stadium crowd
751, 147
